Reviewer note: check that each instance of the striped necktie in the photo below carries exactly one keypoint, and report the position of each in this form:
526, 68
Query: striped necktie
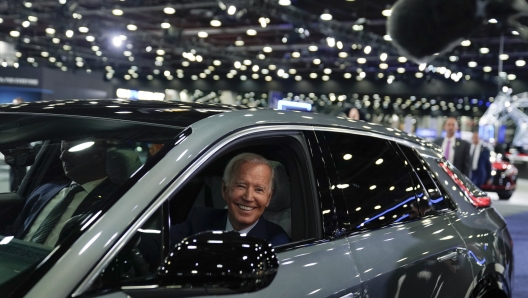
56, 213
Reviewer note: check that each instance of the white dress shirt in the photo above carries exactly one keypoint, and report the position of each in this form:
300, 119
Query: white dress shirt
229, 227
77, 200
451, 156
476, 155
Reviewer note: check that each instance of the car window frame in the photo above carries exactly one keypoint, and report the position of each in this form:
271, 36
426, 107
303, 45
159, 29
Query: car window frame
84, 287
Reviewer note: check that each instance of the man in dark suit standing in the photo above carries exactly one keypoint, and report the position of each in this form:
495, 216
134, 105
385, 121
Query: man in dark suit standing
480, 161
247, 189
51, 205
455, 150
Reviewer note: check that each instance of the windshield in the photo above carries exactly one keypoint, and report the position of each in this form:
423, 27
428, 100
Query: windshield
56, 170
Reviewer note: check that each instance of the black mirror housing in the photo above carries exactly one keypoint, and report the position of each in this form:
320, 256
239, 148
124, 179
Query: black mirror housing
220, 260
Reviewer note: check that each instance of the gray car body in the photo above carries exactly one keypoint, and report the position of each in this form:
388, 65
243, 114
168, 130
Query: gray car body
336, 268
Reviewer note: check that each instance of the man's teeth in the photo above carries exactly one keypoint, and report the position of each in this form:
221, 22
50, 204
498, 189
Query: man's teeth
245, 207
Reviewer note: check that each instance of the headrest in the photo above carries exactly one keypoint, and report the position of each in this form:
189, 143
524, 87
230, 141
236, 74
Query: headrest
121, 164
280, 199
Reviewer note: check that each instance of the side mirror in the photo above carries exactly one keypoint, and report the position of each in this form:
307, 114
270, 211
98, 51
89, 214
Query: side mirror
220, 262
20, 157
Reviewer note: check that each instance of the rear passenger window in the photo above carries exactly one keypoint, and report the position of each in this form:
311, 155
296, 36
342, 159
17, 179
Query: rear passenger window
433, 195
375, 185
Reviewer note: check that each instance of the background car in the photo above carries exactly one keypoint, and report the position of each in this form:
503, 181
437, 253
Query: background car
371, 211
504, 176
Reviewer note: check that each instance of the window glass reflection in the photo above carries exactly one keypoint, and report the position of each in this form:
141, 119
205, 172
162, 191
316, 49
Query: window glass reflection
379, 190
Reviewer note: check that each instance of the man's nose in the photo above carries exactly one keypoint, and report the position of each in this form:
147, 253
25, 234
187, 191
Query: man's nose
249, 194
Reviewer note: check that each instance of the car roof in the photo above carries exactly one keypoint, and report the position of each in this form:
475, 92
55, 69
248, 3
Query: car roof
183, 114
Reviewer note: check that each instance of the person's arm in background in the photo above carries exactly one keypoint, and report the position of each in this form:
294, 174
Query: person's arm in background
487, 165
467, 162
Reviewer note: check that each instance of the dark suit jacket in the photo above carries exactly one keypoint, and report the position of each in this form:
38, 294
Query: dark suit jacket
461, 160
483, 171
206, 219
40, 197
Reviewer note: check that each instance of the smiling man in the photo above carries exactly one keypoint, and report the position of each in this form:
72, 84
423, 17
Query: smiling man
247, 187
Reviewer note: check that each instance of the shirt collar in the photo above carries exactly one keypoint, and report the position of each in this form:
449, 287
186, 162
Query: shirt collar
229, 227
89, 186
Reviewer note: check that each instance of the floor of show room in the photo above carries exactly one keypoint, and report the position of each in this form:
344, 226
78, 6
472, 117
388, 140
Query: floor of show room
514, 210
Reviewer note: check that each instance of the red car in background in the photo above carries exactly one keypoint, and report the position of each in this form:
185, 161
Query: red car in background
504, 176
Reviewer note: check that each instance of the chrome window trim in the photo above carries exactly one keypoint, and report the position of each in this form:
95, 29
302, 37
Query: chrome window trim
174, 186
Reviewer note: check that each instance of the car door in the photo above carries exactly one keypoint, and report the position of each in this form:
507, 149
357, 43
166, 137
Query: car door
317, 264
400, 247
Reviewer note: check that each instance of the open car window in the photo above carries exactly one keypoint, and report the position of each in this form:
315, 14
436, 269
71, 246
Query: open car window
58, 153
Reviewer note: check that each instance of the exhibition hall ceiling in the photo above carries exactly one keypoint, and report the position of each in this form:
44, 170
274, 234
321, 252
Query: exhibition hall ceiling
240, 40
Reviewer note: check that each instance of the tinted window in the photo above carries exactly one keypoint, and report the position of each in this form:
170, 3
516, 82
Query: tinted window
376, 187
433, 196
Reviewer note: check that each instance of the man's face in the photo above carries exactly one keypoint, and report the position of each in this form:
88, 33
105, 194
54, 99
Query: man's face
353, 114
475, 138
79, 159
248, 194
450, 127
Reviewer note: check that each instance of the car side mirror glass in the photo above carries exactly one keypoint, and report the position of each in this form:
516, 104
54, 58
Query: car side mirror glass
20, 157
220, 262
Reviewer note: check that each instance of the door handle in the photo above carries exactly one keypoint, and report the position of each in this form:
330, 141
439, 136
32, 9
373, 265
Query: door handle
452, 255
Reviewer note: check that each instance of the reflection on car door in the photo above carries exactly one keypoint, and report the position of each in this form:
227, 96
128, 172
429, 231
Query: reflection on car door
398, 251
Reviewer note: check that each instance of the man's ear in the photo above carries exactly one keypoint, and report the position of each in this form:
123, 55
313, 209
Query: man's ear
269, 198
224, 191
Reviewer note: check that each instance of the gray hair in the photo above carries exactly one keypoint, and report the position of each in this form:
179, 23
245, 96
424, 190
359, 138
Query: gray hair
235, 163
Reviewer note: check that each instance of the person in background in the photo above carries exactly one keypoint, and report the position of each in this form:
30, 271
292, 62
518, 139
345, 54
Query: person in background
354, 114
480, 161
456, 150
48, 209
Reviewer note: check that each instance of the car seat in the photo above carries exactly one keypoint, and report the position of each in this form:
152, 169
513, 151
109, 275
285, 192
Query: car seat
121, 164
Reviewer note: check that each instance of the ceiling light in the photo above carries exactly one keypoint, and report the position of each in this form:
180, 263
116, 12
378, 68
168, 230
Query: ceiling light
247, 62
313, 75
255, 68
117, 12
383, 56
361, 60
148, 49
90, 38
69, 33
32, 19
317, 61
465, 43
402, 59
520, 63
400, 70
117, 41
383, 66
472, 64
160, 52
268, 78
254, 76
131, 27
26, 24
216, 23
312, 48
237, 64
339, 45
169, 10
44, 54
272, 67
453, 58
325, 78
367, 49
267, 49
327, 71
217, 62
95, 48
55, 40
292, 71
165, 25
387, 12
203, 34
251, 32
419, 75
357, 27
362, 74
262, 56
239, 42
347, 75
512, 77
231, 10
504, 56
515, 33
330, 41
50, 30
487, 69
492, 21
343, 54
387, 37
326, 16
484, 50
298, 78
296, 54
284, 2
